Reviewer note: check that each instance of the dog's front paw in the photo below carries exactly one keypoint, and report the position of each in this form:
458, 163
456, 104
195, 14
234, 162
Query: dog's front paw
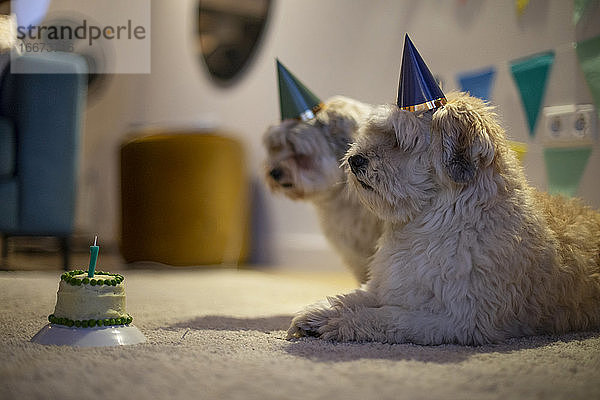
328, 324
309, 323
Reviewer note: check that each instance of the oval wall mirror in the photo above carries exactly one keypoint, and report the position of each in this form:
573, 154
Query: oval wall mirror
229, 32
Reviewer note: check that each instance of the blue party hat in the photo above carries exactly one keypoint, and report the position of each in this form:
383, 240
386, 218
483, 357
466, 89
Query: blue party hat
295, 100
418, 90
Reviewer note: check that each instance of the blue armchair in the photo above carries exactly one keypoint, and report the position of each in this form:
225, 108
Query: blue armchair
41, 112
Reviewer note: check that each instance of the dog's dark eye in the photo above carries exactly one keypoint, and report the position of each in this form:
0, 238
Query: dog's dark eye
303, 161
276, 148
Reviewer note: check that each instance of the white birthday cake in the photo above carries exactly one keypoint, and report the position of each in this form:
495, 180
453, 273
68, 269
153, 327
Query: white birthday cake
85, 302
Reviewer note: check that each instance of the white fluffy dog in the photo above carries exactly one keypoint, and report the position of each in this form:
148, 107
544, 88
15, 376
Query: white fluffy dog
470, 253
303, 163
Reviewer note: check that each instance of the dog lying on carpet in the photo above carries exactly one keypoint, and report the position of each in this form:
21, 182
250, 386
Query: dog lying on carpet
470, 253
303, 163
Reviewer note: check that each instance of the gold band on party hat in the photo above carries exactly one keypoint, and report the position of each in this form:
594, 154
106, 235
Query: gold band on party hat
310, 114
428, 105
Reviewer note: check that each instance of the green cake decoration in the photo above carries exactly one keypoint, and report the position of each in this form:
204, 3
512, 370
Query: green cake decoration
87, 302
91, 322
111, 279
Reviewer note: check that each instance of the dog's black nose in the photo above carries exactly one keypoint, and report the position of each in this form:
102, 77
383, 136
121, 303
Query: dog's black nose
357, 163
276, 173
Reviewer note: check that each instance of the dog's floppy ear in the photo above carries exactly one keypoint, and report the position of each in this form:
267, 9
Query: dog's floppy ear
464, 140
340, 128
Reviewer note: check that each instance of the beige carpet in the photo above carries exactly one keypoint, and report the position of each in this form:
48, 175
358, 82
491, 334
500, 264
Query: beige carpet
219, 334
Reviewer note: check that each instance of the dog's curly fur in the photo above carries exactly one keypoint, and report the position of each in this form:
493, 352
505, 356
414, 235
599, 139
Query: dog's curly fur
303, 163
470, 253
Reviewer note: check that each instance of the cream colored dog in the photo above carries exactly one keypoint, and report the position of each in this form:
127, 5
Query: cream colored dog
303, 163
470, 253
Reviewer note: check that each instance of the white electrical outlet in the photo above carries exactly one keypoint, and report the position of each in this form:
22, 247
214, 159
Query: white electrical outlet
569, 124
557, 123
584, 122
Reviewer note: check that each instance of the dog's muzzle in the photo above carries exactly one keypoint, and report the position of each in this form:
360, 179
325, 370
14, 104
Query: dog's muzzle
358, 163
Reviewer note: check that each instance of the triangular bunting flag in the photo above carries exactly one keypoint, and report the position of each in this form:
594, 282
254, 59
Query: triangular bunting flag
579, 7
564, 167
521, 6
477, 83
588, 53
530, 75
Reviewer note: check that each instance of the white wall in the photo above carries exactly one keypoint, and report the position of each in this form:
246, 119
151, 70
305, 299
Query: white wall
335, 47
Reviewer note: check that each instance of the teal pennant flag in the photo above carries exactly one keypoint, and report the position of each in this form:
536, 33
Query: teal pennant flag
530, 75
477, 83
588, 53
564, 168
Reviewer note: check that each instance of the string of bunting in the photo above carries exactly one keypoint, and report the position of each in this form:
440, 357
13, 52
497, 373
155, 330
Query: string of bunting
531, 75
564, 166
579, 8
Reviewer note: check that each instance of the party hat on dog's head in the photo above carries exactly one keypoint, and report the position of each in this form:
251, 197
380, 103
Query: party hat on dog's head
418, 90
295, 100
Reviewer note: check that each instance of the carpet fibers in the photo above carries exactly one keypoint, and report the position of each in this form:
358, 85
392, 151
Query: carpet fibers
220, 334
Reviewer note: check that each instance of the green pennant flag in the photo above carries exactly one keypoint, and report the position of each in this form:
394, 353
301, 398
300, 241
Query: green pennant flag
579, 7
564, 168
530, 75
588, 53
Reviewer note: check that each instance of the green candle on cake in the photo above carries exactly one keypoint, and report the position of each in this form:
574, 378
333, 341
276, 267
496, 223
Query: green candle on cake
94, 250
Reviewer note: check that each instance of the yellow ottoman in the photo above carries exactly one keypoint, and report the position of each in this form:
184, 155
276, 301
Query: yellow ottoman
184, 199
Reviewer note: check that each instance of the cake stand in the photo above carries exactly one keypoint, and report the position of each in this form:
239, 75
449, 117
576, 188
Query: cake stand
116, 335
